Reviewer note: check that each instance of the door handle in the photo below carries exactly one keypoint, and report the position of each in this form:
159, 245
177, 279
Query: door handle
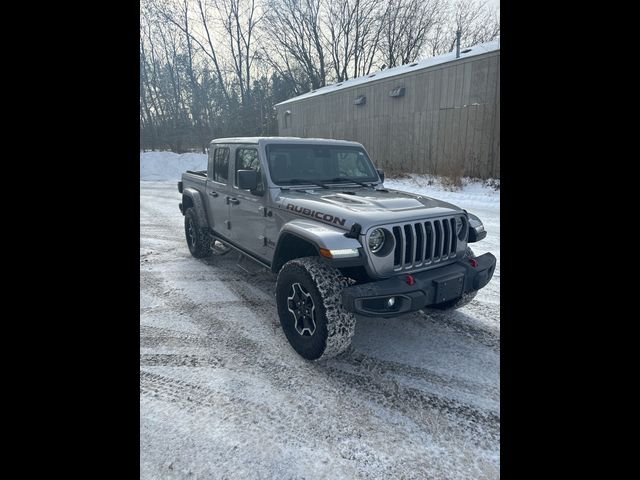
213, 194
234, 201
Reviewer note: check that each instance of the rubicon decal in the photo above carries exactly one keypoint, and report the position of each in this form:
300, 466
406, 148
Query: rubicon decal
317, 215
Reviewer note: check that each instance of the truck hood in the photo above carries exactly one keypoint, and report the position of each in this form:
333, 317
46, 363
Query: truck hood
365, 206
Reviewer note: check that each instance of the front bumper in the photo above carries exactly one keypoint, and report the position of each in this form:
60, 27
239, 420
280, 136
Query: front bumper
429, 288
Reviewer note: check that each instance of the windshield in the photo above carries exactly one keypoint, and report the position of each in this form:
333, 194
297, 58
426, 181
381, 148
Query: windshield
293, 164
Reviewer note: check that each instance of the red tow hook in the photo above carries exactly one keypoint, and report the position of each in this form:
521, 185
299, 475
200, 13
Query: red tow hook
410, 280
473, 262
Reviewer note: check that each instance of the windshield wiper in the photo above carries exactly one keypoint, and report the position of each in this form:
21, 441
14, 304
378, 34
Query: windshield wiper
301, 181
350, 180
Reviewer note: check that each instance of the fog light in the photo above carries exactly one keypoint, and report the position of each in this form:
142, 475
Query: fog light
391, 302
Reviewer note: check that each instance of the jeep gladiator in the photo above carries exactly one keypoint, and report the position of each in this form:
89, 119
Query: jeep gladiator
316, 213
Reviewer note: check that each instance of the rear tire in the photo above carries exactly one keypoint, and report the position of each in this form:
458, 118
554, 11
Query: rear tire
198, 241
308, 294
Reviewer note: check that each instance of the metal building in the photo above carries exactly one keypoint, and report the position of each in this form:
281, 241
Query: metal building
440, 115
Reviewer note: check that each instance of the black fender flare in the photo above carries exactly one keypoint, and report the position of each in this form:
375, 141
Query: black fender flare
322, 236
198, 205
476, 228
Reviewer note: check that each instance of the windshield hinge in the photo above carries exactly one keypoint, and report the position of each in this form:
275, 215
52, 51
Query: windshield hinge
354, 232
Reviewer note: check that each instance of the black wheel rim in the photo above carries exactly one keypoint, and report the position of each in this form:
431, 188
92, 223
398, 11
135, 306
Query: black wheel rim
191, 233
300, 304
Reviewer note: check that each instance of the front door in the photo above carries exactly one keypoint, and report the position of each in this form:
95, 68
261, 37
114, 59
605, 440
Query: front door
247, 213
218, 189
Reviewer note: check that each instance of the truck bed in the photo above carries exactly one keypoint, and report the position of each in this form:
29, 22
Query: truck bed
195, 179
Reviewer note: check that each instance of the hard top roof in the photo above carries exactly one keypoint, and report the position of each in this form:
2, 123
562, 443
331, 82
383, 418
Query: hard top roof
287, 140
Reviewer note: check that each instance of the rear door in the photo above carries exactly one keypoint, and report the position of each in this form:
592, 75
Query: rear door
218, 188
247, 213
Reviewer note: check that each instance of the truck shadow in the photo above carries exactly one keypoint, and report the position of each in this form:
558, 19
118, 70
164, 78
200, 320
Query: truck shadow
470, 321
448, 341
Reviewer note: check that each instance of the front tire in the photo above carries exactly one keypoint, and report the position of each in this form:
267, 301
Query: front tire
197, 239
308, 294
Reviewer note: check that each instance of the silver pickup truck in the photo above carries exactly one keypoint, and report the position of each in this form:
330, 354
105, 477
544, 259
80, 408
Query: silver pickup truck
316, 213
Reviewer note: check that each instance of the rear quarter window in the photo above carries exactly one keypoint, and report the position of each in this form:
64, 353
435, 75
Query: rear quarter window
221, 164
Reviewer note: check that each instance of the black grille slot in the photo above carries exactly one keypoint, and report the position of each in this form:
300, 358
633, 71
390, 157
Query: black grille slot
429, 250
419, 243
408, 235
446, 243
437, 227
399, 245
454, 237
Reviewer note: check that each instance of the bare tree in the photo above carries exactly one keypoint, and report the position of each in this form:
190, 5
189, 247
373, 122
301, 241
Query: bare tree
293, 27
352, 35
370, 25
162, 87
239, 20
407, 26
286, 68
177, 14
195, 96
475, 19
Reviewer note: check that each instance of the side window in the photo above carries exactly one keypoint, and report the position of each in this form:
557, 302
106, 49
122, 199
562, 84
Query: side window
221, 164
210, 163
247, 159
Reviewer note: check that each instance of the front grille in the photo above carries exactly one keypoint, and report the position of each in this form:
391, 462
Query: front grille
424, 243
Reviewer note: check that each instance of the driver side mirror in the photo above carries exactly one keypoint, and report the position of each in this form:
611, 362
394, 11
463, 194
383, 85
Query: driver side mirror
381, 173
248, 179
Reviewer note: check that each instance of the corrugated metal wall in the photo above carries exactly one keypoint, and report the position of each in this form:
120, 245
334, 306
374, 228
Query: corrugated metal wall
447, 122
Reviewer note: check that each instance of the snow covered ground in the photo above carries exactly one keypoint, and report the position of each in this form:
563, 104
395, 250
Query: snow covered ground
223, 395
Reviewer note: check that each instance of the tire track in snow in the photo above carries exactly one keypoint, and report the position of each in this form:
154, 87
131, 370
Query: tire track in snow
240, 340
428, 415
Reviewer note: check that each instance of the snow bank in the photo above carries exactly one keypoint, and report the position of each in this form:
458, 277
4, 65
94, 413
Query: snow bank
169, 165
474, 193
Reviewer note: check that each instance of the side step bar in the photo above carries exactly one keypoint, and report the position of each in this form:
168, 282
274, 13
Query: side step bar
240, 251
246, 269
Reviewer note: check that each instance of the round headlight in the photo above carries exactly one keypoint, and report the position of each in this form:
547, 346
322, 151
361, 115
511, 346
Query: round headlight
376, 240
